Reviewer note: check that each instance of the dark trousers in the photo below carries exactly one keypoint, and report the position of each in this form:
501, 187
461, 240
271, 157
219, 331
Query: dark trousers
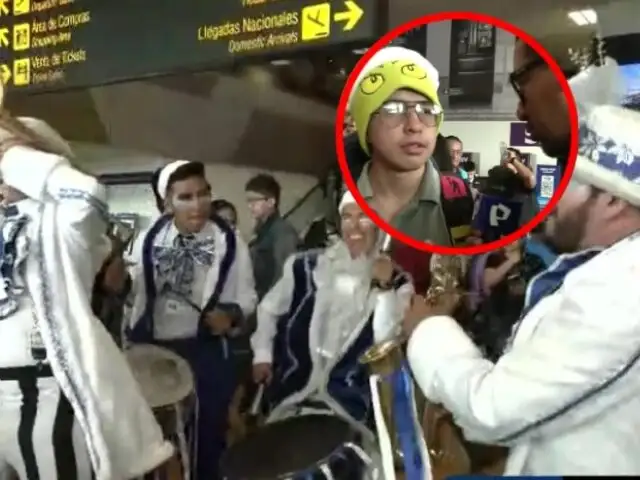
215, 383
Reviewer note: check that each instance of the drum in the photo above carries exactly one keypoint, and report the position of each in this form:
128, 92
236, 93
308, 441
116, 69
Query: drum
307, 447
167, 383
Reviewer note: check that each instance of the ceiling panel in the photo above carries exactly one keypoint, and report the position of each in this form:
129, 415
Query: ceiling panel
73, 114
277, 142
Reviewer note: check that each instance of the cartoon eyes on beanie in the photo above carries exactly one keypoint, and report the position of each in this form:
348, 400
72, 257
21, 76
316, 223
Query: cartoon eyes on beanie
372, 83
413, 71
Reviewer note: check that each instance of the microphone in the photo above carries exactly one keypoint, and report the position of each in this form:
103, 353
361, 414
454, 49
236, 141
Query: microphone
496, 216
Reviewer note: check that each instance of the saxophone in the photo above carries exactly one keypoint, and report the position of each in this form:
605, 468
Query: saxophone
444, 452
447, 449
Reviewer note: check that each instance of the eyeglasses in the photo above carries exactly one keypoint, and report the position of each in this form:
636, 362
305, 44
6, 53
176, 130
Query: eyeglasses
396, 112
360, 221
254, 200
519, 78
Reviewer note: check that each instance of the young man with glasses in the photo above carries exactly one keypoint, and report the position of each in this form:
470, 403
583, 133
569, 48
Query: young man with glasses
542, 104
397, 114
274, 238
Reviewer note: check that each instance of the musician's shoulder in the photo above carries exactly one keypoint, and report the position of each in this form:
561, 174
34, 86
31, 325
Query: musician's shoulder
310, 254
306, 256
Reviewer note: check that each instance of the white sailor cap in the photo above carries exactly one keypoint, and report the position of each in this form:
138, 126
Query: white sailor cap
165, 176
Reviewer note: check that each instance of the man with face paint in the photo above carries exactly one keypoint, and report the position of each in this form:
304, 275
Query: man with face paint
331, 295
570, 375
192, 287
397, 115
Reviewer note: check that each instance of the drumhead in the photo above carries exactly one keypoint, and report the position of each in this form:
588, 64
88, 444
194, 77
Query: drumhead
282, 449
164, 377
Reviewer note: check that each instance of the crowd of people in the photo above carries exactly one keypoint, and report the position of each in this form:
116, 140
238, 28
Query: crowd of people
534, 349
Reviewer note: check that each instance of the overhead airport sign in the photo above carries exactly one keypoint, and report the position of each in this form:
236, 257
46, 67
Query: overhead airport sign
55, 44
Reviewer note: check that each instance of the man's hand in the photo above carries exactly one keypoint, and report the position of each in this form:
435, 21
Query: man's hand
421, 310
262, 373
382, 270
115, 276
513, 252
218, 322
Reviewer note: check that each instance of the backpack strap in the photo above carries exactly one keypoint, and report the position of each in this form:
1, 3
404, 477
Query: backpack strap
457, 205
476, 279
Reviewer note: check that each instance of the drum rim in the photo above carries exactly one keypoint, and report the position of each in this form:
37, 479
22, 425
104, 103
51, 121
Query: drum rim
318, 463
187, 385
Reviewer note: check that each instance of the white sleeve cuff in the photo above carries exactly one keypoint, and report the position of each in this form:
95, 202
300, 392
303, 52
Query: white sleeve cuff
262, 356
432, 343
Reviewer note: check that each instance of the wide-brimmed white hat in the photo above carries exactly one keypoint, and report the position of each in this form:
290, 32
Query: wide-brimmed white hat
609, 144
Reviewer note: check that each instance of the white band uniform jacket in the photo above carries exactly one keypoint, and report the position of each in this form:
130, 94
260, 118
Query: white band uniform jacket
544, 398
337, 305
238, 288
120, 431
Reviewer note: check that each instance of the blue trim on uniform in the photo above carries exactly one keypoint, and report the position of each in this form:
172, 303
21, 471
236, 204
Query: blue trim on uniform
292, 363
549, 281
13, 225
143, 329
348, 382
225, 268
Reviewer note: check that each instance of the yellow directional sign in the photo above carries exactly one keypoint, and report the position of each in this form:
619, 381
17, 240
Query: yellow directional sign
351, 15
22, 72
316, 22
20, 7
5, 73
4, 7
4, 37
21, 37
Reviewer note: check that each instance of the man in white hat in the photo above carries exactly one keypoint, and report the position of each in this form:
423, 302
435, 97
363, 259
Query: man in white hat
329, 297
565, 396
69, 405
192, 286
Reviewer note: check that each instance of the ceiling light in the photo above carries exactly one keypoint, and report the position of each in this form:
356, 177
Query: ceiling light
584, 17
278, 63
359, 51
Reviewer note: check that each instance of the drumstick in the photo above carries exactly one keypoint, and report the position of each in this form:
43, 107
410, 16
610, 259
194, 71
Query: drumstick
257, 401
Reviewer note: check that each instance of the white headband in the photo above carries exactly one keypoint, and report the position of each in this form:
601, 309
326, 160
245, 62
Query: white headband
347, 199
165, 175
389, 54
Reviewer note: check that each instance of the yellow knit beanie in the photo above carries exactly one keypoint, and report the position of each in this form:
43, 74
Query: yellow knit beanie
389, 70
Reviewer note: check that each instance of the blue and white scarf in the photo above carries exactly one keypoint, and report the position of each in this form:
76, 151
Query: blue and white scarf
12, 252
176, 265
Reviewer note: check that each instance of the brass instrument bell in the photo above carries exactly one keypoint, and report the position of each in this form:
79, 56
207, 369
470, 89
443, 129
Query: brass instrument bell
120, 233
